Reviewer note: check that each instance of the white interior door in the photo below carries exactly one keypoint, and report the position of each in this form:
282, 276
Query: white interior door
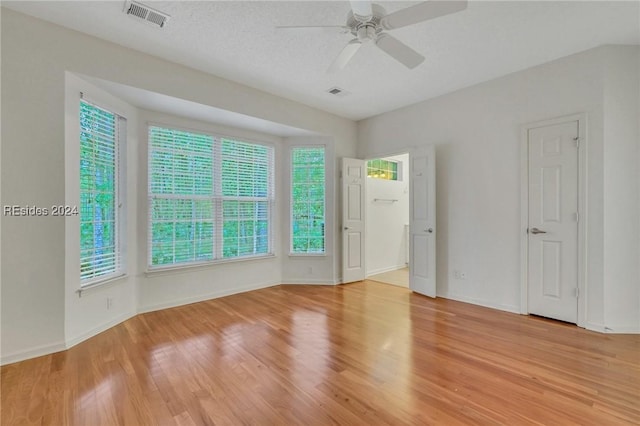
422, 221
552, 274
353, 216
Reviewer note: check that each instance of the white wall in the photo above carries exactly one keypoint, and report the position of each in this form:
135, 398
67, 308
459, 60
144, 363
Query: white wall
0, 194
476, 132
386, 241
35, 58
621, 186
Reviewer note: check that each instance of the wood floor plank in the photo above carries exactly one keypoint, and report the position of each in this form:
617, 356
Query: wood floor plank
364, 353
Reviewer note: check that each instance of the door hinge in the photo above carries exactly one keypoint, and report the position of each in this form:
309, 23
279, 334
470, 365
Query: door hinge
577, 292
577, 216
577, 141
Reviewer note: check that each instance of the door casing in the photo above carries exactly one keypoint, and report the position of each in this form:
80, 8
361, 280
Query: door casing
411, 151
582, 210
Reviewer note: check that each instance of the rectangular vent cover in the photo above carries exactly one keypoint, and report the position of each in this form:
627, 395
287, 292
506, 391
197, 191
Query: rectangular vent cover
336, 91
147, 13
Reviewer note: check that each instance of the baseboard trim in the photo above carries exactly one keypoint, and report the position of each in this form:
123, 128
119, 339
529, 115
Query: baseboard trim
99, 329
487, 304
621, 329
33, 353
595, 327
306, 281
207, 296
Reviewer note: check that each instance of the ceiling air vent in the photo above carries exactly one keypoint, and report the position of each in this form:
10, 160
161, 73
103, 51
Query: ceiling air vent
336, 91
147, 13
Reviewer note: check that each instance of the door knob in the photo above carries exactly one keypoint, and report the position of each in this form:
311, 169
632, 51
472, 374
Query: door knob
429, 230
346, 228
537, 231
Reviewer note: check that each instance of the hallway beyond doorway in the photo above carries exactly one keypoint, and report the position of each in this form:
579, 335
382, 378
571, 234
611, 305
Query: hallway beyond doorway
398, 277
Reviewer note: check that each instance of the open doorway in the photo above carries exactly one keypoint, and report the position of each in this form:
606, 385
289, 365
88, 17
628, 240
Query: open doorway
387, 226
421, 193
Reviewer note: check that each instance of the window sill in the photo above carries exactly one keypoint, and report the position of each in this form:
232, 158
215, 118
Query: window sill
100, 283
308, 254
189, 267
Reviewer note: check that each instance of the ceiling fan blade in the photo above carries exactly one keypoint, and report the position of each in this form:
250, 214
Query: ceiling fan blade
345, 56
399, 51
421, 12
362, 10
315, 28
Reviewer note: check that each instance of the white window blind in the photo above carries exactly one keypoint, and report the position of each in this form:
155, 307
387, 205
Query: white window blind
209, 198
308, 200
100, 248
247, 191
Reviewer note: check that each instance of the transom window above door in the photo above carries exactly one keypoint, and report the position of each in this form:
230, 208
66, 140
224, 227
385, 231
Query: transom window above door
382, 169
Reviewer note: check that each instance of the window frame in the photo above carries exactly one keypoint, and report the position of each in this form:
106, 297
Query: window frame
293, 253
120, 205
217, 199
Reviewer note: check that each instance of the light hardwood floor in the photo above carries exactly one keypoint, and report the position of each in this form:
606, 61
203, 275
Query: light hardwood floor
399, 277
363, 353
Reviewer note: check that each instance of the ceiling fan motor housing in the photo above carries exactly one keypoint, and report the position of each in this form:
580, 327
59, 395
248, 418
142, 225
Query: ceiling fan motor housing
366, 33
369, 29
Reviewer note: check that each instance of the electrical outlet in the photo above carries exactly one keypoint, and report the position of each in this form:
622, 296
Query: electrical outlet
109, 303
310, 270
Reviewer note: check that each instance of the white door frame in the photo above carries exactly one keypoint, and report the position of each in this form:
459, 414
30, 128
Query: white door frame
582, 210
385, 154
408, 150
395, 154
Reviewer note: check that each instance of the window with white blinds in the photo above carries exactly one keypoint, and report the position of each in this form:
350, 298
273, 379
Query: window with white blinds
209, 198
308, 200
100, 243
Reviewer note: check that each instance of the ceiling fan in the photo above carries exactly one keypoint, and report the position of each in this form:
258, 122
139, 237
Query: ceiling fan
368, 23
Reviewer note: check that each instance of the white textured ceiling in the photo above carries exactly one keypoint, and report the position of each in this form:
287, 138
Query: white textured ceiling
237, 40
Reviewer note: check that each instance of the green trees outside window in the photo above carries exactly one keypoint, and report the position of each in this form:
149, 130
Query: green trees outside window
246, 187
382, 169
209, 198
99, 248
180, 196
308, 200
